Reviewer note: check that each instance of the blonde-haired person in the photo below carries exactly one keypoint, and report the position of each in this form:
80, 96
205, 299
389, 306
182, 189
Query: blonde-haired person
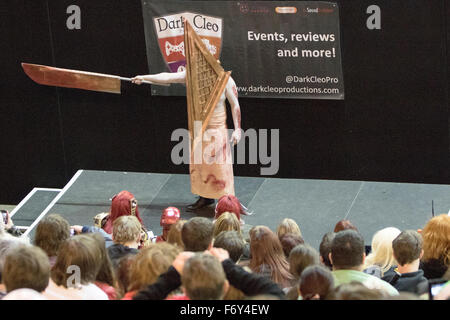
288, 225
227, 221
381, 259
148, 265
436, 247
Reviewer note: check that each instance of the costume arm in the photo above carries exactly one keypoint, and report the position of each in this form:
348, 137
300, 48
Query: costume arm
164, 77
232, 97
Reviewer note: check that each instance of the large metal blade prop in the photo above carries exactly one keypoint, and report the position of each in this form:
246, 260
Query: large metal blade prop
68, 78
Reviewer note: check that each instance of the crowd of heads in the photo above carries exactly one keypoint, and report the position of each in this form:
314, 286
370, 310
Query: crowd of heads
117, 259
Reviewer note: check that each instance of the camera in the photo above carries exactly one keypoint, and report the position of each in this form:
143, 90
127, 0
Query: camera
434, 286
5, 216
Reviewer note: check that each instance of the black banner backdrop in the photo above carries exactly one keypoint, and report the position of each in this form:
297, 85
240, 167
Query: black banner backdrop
275, 49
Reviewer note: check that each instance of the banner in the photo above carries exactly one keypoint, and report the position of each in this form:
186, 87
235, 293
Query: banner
275, 49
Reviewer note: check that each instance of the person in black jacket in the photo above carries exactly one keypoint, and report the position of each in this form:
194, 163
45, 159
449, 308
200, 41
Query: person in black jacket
189, 266
407, 250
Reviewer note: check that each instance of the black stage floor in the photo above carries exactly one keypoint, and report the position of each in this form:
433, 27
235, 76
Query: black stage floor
316, 205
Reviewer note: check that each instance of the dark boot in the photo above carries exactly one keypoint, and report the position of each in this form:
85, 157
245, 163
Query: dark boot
200, 203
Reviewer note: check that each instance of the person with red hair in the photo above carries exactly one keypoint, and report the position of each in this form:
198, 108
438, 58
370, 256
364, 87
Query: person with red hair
230, 203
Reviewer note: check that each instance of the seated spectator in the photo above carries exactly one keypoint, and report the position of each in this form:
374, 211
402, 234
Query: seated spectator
197, 234
8, 243
26, 266
325, 249
344, 225
174, 235
267, 256
24, 294
75, 271
207, 276
169, 217
301, 257
289, 241
347, 257
7, 225
50, 233
231, 241
436, 244
126, 236
123, 274
148, 265
229, 203
288, 225
227, 221
316, 283
381, 259
355, 290
106, 277
407, 250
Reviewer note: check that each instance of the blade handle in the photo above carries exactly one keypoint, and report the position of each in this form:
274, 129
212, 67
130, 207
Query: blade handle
146, 82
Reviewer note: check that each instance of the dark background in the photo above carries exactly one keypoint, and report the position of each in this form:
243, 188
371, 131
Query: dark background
392, 126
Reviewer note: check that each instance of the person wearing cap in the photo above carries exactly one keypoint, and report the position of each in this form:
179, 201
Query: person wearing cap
169, 217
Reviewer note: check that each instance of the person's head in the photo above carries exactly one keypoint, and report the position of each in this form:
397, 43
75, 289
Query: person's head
356, 291
231, 241
289, 241
347, 250
316, 282
174, 235
301, 257
51, 232
126, 229
123, 273
381, 254
227, 221
169, 217
407, 247
436, 239
266, 252
344, 225
122, 204
7, 244
288, 225
150, 263
26, 266
325, 249
81, 251
228, 203
197, 234
203, 278
106, 273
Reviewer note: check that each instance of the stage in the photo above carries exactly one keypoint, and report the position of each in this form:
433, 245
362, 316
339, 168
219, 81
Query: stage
316, 205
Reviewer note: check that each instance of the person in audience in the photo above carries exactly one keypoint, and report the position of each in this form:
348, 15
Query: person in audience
24, 294
148, 265
407, 250
231, 241
174, 235
229, 203
206, 276
75, 271
381, 259
227, 221
197, 234
355, 290
267, 256
289, 241
436, 244
347, 257
316, 283
106, 277
344, 225
325, 249
288, 225
169, 217
26, 266
50, 233
8, 243
126, 235
301, 257
8, 226
123, 274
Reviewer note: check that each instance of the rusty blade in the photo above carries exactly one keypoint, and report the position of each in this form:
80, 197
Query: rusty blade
59, 77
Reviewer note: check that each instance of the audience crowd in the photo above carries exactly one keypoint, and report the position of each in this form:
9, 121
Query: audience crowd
217, 258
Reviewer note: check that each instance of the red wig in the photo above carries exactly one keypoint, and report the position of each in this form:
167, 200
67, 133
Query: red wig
123, 204
228, 203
